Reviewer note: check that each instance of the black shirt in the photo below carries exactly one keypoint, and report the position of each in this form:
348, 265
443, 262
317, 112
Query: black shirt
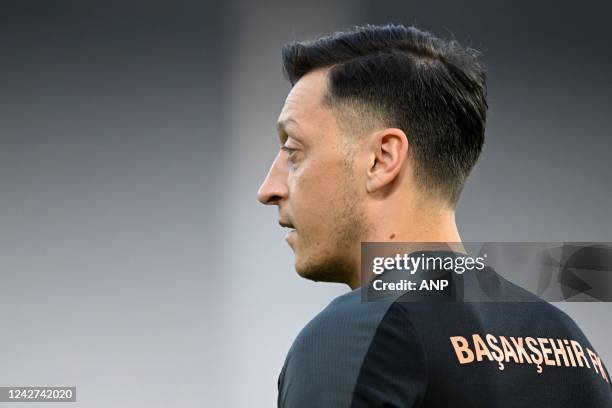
514, 351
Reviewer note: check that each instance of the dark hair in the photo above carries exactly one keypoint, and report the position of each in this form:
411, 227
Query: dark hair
432, 89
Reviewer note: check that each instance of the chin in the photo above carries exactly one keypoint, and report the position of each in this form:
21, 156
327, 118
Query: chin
333, 271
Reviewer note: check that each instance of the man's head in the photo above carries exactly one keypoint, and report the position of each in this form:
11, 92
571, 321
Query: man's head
382, 122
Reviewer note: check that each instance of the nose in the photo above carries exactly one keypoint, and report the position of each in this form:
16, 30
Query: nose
274, 187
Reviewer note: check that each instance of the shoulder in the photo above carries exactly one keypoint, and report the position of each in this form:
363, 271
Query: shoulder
345, 317
325, 359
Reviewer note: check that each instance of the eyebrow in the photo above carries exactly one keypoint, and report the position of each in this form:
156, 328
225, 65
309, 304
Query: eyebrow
281, 126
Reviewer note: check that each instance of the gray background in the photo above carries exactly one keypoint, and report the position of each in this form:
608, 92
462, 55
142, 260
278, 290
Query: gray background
136, 263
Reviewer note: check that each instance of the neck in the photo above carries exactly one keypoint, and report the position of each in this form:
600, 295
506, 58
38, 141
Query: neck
425, 226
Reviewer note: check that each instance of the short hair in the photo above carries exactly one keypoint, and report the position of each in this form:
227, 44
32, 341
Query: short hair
434, 90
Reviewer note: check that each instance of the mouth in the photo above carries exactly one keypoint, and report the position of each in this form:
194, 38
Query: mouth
290, 238
290, 227
287, 225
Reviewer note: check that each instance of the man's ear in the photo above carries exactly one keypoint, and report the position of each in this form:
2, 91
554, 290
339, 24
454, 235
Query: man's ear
388, 151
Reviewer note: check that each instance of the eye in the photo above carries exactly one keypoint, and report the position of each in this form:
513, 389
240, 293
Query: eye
293, 155
289, 150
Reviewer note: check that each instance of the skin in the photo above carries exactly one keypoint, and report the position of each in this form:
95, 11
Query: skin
334, 190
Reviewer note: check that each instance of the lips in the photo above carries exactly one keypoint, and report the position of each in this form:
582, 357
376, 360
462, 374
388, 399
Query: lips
286, 225
290, 237
291, 232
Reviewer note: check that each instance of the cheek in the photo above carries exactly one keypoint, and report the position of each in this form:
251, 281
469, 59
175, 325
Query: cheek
315, 194
313, 181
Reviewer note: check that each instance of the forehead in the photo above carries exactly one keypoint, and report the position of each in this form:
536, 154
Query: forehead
303, 106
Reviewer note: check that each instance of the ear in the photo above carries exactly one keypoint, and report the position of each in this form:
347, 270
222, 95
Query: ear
388, 150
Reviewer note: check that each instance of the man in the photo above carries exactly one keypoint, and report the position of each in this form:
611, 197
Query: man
378, 134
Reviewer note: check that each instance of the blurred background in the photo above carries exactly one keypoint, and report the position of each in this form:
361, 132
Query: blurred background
136, 262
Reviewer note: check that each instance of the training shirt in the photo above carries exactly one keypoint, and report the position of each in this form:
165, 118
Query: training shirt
515, 351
